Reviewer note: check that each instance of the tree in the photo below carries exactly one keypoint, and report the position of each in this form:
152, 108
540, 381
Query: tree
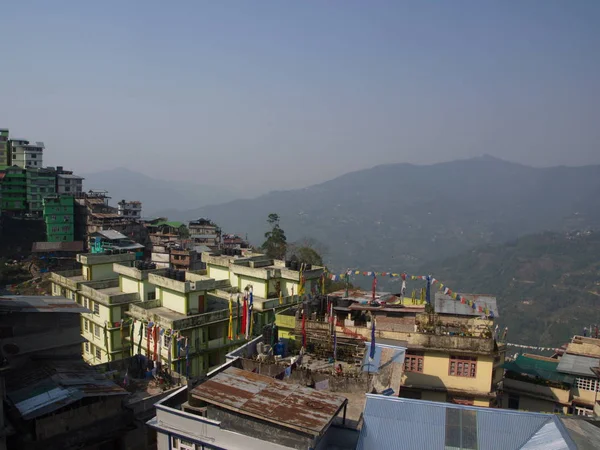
275, 245
308, 255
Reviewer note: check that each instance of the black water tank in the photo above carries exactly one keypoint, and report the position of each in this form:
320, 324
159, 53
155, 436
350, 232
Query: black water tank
288, 263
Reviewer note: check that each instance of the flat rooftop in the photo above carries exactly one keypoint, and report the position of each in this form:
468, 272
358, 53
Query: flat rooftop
263, 397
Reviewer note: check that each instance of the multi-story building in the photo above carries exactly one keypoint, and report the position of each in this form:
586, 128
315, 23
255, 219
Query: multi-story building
270, 279
41, 182
4, 148
567, 384
452, 356
25, 154
185, 259
55, 400
130, 209
205, 232
67, 183
14, 191
96, 286
112, 240
189, 311
59, 218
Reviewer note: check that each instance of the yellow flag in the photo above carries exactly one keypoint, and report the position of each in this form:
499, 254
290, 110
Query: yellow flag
414, 297
280, 297
422, 295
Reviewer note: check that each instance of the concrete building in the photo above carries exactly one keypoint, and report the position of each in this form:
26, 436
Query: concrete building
67, 183
14, 191
41, 182
205, 232
112, 240
4, 148
130, 209
186, 259
25, 154
450, 357
53, 399
58, 212
234, 408
567, 384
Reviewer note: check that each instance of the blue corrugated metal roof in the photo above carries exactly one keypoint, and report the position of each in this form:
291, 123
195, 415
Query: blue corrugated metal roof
391, 422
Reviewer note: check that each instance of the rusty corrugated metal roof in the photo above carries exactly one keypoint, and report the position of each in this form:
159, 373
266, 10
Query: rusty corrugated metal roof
266, 398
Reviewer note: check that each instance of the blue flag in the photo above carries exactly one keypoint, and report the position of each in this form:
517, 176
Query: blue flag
372, 353
428, 293
334, 344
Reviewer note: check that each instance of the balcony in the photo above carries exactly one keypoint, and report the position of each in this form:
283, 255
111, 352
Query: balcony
152, 311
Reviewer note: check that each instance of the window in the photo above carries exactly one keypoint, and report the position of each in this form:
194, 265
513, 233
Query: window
86, 325
87, 347
87, 303
98, 353
463, 366
413, 362
182, 444
96, 308
96, 330
588, 384
152, 295
67, 189
583, 411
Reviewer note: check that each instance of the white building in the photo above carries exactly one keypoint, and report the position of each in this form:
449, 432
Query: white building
68, 184
26, 155
130, 209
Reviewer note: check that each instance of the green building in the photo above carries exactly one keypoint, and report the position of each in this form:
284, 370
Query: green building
59, 217
40, 184
14, 191
4, 156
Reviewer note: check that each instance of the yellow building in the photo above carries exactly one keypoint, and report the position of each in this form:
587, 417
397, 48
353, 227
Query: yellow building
568, 384
450, 356
96, 286
183, 322
275, 286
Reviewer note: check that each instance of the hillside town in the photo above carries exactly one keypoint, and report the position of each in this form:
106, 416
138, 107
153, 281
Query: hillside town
135, 333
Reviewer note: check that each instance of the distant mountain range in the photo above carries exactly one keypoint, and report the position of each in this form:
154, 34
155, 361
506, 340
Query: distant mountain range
156, 195
547, 285
399, 216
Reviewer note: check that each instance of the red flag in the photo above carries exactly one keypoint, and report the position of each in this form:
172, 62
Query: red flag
148, 354
374, 287
155, 338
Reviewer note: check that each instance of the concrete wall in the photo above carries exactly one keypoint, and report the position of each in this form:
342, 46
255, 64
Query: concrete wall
172, 300
218, 272
259, 286
435, 374
259, 429
170, 422
75, 418
102, 272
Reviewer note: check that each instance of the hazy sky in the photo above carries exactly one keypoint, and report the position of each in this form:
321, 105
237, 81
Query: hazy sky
274, 94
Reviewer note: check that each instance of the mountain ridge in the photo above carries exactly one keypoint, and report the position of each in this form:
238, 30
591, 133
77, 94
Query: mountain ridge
123, 183
401, 215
